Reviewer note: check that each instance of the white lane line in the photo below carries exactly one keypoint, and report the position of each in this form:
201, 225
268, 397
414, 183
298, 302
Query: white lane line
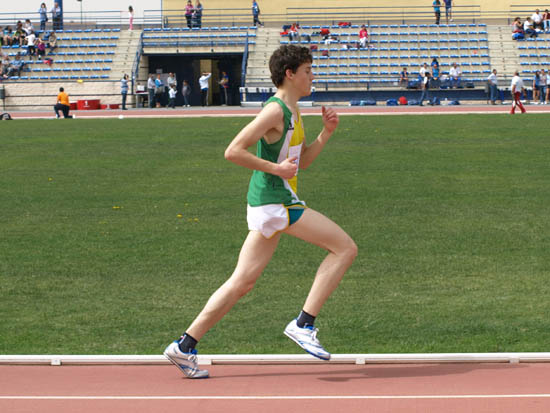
312, 397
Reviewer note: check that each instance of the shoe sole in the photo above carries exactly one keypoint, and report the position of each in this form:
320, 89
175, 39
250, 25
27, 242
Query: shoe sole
305, 349
175, 363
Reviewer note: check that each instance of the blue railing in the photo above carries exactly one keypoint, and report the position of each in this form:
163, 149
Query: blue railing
244, 62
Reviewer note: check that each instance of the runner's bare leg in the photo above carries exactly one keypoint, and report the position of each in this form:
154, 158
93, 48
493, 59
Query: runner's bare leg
319, 230
255, 254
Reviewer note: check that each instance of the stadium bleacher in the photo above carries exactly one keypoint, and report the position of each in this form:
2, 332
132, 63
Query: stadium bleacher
393, 47
72, 56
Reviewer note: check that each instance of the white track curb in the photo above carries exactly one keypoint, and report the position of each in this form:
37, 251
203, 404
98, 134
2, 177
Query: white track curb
57, 360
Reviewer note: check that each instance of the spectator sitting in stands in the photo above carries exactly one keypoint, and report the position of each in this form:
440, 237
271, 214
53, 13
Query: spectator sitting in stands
16, 66
517, 29
52, 41
528, 28
454, 74
19, 35
28, 27
546, 21
404, 77
364, 37
7, 36
536, 18
31, 50
40, 48
293, 31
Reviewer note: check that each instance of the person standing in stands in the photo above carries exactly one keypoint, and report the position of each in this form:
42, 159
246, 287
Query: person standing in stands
186, 92
425, 88
43, 11
151, 91
517, 89
492, 80
204, 83
437, 9
124, 90
224, 86
62, 104
404, 78
56, 16
172, 96
189, 13
256, 13
159, 90
448, 10
131, 17
197, 14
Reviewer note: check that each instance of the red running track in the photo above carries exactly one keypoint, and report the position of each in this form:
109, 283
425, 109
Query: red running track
447, 388
243, 111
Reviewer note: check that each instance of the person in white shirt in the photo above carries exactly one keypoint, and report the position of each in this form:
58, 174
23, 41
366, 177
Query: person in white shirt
151, 90
528, 28
170, 80
537, 20
517, 88
454, 74
31, 38
492, 80
204, 84
172, 95
423, 70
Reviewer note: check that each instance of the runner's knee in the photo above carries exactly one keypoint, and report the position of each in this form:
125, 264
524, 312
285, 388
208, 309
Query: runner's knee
347, 249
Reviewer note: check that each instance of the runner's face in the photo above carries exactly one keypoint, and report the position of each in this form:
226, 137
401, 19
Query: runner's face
303, 78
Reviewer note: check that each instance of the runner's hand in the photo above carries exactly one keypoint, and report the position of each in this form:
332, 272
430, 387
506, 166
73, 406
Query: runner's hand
330, 119
288, 168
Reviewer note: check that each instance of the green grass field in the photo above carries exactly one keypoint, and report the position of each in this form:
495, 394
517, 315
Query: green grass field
451, 215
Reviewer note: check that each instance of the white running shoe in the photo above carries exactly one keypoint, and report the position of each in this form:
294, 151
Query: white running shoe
307, 339
186, 362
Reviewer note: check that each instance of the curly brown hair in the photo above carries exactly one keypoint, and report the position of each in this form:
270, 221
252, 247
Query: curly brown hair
287, 57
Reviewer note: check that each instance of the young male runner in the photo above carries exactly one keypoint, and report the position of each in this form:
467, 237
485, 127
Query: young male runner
274, 208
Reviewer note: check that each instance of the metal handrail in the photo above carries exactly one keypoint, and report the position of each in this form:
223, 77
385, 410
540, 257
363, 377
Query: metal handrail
137, 59
244, 62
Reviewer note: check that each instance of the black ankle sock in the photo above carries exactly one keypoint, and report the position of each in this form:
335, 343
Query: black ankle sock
305, 319
186, 343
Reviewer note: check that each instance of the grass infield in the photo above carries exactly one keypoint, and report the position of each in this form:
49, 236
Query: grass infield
113, 234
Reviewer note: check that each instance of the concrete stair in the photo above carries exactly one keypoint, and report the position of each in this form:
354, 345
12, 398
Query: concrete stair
125, 53
267, 41
503, 51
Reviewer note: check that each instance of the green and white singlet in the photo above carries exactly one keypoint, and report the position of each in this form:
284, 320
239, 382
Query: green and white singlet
270, 196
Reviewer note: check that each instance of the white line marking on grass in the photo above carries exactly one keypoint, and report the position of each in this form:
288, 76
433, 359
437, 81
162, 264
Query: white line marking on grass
312, 397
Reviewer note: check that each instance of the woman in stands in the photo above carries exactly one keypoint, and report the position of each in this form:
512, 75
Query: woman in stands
197, 14
43, 11
131, 17
189, 13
